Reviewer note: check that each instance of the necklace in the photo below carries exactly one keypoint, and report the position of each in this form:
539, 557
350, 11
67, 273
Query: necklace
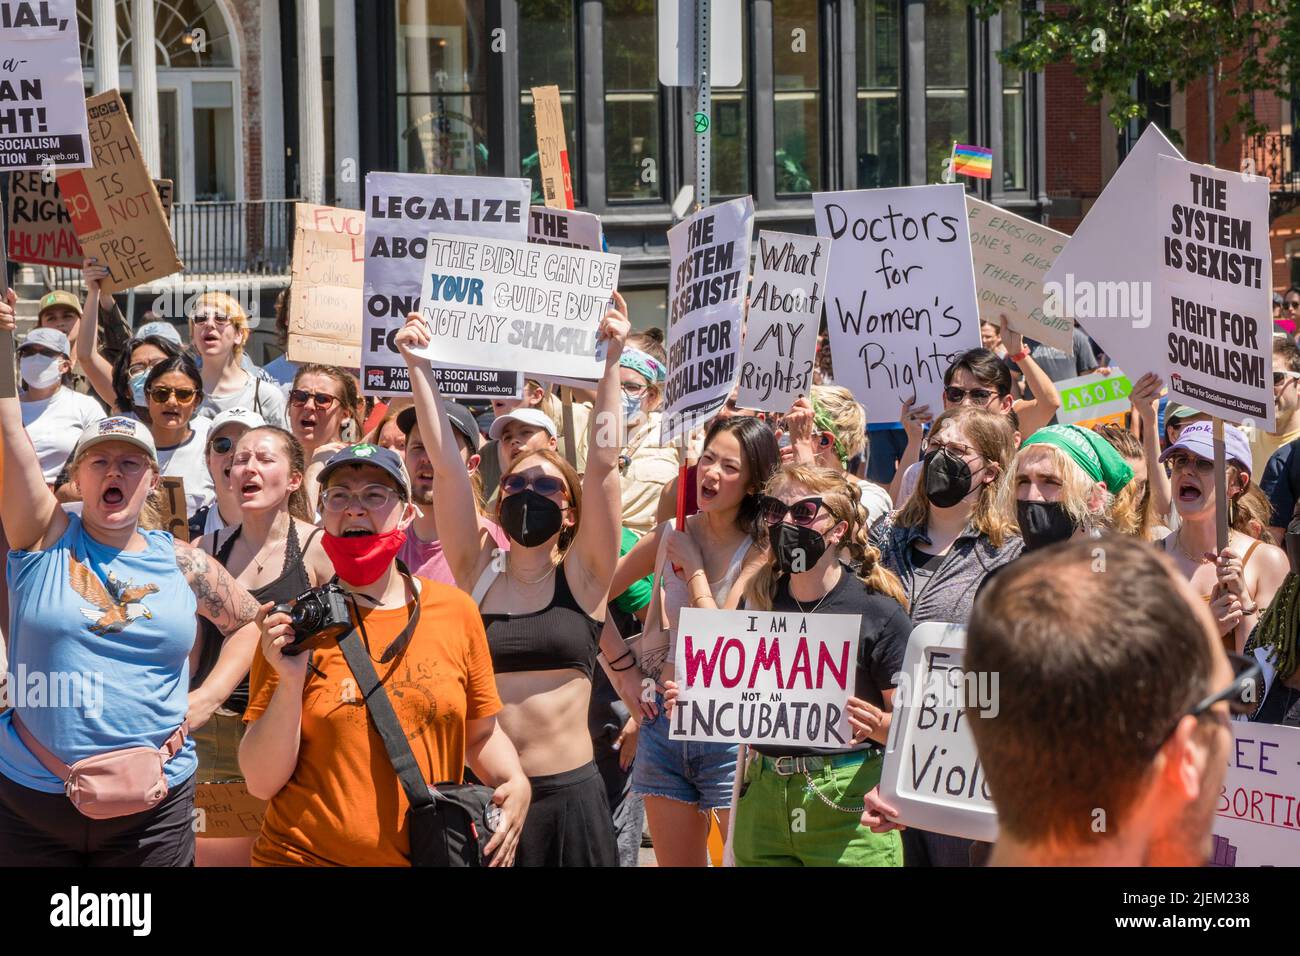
1178, 540
515, 577
270, 541
819, 602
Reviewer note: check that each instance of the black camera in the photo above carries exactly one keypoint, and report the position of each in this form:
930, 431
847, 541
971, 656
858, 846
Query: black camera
317, 616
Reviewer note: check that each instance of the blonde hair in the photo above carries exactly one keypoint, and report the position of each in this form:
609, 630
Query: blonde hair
991, 435
848, 416
231, 307
1132, 512
840, 497
1077, 489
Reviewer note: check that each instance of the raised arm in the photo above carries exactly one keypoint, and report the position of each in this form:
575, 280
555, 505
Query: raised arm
596, 544
1145, 398
454, 512
98, 371
32, 517
1041, 409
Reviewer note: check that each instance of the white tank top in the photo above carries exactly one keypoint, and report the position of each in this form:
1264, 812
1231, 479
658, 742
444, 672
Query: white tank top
677, 594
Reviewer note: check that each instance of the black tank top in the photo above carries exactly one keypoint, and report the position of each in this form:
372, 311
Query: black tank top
292, 582
560, 635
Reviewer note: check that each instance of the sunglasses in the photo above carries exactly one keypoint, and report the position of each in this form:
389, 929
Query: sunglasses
222, 444
322, 400
162, 393
542, 484
371, 498
803, 512
956, 448
38, 350
1280, 378
1202, 466
1291, 304
957, 395
1243, 695
220, 321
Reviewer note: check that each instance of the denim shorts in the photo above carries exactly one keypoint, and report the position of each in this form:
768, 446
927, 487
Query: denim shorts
684, 770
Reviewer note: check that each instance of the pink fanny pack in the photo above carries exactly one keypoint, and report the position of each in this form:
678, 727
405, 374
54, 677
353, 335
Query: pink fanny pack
114, 784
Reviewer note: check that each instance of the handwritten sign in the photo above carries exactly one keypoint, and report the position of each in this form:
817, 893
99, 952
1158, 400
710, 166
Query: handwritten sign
1215, 294
1257, 820
227, 810
767, 677
42, 97
401, 210
115, 209
492, 303
900, 295
175, 514
325, 308
1012, 255
706, 289
565, 227
552, 150
785, 308
40, 229
931, 773
1088, 398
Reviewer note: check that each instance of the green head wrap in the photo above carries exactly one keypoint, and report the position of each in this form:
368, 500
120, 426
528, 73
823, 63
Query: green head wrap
823, 422
1096, 456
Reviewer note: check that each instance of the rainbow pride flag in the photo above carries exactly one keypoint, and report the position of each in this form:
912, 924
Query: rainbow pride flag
972, 161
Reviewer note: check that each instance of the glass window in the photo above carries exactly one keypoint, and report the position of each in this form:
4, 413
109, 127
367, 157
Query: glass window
442, 51
880, 135
796, 73
729, 160
947, 82
1014, 116
327, 97
633, 155
187, 33
647, 308
548, 57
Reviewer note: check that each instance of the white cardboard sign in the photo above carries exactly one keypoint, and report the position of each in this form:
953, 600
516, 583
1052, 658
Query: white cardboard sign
900, 296
767, 677
1257, 820
43, 121
565, 227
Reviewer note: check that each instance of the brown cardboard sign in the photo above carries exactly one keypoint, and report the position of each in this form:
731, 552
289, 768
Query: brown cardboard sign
552, 151
325, 306
171, 491
114, 206
227, 810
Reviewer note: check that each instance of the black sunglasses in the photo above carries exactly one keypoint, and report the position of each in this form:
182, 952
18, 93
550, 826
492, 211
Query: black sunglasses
957, 395
543, 484
1243, 695
222, 444
298, 398
803, 512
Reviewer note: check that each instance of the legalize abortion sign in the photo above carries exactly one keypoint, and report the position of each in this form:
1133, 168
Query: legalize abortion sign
766, 678
516, 305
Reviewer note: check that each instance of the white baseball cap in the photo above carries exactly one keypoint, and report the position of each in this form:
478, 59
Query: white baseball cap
118, 428
529, 416
236, 416
164, 330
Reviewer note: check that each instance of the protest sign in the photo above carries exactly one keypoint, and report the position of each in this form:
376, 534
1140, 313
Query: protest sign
785, 308
329, 255
900, 294
706, 291
227, 810
492, 303
1257, 819
1088, 398
115, 209
564, 227
931, 773
172, 504
42, 96
769, 677
552, 151
401, 210
1213, 303
40, 229
1011, 256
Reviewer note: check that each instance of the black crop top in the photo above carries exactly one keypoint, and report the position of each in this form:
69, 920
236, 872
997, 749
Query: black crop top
559, 635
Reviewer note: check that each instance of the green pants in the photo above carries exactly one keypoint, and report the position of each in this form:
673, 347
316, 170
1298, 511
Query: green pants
781, 822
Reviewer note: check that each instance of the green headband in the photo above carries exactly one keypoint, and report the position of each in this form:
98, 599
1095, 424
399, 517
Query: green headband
824, 423
1096, 456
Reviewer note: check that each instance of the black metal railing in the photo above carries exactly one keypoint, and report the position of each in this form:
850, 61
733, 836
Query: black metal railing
222, 239
1273, 155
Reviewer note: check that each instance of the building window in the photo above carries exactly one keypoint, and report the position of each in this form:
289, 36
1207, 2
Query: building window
187, 34
729, 159
1015, 143
947, 82
879, 105
633, 135
796, 96
442, 123
547, 57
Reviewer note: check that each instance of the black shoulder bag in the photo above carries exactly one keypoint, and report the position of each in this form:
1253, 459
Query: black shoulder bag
450, 824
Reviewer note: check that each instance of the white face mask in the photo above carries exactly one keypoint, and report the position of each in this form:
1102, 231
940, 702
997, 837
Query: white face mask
41, 371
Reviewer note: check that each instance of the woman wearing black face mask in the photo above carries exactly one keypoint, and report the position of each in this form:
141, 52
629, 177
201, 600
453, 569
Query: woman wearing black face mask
541, 600
943, 543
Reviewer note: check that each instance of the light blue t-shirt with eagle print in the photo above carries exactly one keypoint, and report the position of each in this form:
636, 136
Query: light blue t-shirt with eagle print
99, 643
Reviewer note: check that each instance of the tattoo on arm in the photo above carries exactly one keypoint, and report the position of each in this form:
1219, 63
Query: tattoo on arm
222, 600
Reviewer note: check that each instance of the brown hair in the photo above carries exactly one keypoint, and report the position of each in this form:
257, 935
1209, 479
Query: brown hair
573, 486
1132, 512
991, 435
298, 506
840, 497
347, 384
1068, 735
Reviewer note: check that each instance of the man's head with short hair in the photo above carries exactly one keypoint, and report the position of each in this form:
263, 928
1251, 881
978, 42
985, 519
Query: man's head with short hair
1286, 379
1101, 649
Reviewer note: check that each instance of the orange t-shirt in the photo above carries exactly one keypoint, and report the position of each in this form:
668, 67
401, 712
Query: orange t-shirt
344, 805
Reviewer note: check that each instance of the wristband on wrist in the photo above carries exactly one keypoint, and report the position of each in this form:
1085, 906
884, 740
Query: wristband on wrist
1019, 356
